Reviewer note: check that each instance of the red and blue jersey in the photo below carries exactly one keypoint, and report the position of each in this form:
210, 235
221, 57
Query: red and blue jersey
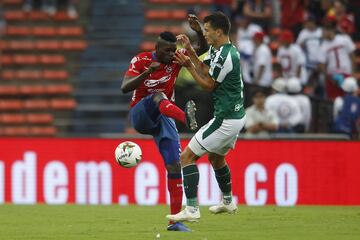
161, 80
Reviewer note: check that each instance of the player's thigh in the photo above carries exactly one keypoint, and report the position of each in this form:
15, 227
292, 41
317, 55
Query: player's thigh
144, 116
218, 136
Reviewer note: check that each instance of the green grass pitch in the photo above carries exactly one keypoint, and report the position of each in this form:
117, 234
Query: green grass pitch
133, 222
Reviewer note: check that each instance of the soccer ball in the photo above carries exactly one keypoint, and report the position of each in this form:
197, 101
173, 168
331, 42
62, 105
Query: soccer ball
128, 154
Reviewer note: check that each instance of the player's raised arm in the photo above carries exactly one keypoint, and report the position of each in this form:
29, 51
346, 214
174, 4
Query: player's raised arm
196, 26
130, 83
203, 68
204, 80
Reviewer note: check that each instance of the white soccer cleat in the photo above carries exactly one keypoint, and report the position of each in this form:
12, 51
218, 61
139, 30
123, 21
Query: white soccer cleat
189, 214
223, 208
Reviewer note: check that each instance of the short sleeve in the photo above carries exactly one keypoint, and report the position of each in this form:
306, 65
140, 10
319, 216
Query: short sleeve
136, 66
221, 66
350, 46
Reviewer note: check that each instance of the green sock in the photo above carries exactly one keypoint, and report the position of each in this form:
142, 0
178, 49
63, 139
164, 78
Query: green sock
223, 177
191, 182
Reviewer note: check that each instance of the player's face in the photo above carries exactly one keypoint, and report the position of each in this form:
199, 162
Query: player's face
210, 34
165, 52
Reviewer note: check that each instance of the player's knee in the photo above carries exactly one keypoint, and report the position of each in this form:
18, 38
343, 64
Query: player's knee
173, 168
217, 161
158, 97
187, 157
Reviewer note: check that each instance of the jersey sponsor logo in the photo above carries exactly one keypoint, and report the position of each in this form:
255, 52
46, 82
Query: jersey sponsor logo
155, 82
151, 90
237, 107
168, 69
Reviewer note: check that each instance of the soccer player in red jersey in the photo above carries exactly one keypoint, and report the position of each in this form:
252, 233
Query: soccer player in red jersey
152, 76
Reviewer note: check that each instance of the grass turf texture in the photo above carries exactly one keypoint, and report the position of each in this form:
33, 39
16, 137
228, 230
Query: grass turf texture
134, 222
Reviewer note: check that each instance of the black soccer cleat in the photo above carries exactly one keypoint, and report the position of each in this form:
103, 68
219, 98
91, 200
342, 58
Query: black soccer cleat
190, 110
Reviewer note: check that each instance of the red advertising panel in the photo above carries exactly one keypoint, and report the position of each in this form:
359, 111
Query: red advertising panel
83, 171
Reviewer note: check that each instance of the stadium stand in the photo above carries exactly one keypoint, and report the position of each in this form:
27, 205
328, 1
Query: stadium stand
38, 57
112, 43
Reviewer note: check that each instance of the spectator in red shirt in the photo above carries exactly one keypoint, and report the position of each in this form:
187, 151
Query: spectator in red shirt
259, 12
292, 15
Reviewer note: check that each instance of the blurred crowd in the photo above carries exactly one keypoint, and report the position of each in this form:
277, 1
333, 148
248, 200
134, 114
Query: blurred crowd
294, 52
51, 6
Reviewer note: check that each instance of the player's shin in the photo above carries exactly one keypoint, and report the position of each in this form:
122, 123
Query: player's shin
191, 182
175, 191
223, 177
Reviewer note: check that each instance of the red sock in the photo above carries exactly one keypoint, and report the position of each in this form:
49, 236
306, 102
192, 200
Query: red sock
176, 194
171, 110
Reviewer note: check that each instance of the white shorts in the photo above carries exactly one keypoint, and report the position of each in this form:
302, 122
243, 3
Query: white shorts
217, 136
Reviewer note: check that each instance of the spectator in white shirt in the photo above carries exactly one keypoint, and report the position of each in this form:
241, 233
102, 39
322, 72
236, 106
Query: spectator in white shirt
309, 40
337, 59
294, 90
260, 121
244, 43
291, 57
262, 61
286, 108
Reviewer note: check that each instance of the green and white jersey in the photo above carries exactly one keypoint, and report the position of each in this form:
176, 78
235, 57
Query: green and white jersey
226, 71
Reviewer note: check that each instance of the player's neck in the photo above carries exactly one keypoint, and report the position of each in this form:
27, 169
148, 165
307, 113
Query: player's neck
223, 40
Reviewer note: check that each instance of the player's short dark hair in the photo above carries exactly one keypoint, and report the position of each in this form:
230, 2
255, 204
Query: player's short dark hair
219, 20
168, 36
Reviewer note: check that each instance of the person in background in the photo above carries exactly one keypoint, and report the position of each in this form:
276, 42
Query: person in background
291, 57
347, 109
262, 61
344, 19
51, 6
286, 108
292, 15
337, 59
260, 122
244, 43
259, 12
309, 40
225, 6
294, 90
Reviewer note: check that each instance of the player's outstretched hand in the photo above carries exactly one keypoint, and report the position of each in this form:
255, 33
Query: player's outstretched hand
182, 59
153, 66
185, 41
194, 23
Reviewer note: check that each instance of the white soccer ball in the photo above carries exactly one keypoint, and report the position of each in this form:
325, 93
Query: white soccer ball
128, 154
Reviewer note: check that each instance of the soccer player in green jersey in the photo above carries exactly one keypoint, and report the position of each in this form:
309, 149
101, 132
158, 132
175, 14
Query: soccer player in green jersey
220, 73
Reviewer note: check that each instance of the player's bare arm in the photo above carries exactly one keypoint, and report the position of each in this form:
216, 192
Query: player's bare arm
131, 83
196, 26
204, 80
